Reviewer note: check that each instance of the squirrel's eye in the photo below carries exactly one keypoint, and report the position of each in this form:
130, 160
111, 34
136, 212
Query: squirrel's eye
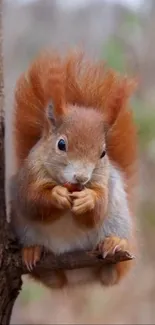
62, 145
103, 154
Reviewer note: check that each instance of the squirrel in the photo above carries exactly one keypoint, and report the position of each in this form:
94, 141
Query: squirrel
76, 152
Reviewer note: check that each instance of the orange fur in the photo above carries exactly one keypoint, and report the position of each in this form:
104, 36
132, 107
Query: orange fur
42, 195
75, 80
89, 219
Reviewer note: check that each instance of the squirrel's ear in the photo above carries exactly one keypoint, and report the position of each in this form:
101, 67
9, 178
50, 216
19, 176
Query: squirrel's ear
56, 111
50, 113
50, 121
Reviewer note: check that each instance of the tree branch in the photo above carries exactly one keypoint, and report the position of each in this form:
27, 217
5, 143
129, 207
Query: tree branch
69, 261
80, 259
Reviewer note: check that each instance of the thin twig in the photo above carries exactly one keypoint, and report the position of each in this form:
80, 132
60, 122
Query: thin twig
80, 259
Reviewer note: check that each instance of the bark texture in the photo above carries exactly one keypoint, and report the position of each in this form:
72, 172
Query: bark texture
10, 277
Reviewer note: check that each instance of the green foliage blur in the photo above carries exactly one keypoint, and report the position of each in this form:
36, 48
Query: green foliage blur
115, 57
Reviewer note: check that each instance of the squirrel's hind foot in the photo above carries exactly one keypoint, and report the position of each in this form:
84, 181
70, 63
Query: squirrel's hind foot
30, 256
111, 274
112, 244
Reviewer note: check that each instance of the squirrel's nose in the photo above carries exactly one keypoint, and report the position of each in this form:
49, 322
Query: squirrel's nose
79, 178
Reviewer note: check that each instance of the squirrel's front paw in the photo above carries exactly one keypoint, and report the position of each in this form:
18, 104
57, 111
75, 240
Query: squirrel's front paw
83, 201
30, 256
112, 244
61, 198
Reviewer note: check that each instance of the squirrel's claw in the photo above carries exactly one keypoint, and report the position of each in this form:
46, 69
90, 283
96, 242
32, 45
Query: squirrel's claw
30, 256
112, 244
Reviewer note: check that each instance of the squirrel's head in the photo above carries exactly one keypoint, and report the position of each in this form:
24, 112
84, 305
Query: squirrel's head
74, 144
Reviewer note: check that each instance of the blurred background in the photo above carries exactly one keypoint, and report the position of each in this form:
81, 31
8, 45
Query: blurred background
123, 34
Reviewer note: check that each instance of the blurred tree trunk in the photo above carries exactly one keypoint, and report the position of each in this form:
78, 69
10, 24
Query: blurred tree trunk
10, 277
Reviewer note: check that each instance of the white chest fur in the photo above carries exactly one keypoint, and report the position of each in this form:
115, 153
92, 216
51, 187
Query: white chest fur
63, 235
